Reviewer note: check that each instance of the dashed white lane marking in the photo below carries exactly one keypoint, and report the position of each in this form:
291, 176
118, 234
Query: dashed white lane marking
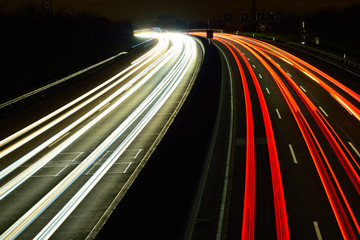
302, 88
61, 170
127, 167
355, 150
260, 76
289, 74
323, 111
138, 153
254, 66
317, 230
267, 90
278, 113
69, 156
293, 154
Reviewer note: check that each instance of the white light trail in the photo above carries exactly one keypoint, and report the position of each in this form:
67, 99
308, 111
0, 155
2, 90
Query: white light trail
130, 70
154, 101
15, 182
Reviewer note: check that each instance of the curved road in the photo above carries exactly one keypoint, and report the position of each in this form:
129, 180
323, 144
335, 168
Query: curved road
284, 161
292, 168
63, 174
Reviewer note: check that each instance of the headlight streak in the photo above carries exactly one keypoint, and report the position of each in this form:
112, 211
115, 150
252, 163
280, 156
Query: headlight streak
150, 55
15, 182
174, 79
155, 101
282, 228
339, 212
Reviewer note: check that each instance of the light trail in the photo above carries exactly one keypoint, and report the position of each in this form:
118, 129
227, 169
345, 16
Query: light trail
170, 83
229, 150
302, 65
309, 136
16, 181
337, 144
347, 98
152, 54
282, 228
145, 111
248, 223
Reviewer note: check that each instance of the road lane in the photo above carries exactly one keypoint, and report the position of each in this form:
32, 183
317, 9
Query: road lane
313, 154
352, 173
173, 70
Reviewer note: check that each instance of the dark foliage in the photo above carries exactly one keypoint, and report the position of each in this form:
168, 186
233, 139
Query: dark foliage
36, 50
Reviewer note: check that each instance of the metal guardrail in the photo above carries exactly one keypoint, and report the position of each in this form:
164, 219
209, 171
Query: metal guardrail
338, 58
308, 48
10, 102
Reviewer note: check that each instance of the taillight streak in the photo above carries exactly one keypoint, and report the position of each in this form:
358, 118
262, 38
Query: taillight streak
282, 228
248, 222
309, 136
301, 66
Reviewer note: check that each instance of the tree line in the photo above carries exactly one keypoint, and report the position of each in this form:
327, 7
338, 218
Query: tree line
36, 50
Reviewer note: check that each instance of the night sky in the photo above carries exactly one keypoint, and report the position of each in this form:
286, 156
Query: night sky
193, 9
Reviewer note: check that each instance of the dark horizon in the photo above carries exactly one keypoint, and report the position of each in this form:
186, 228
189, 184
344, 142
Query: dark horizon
197, 10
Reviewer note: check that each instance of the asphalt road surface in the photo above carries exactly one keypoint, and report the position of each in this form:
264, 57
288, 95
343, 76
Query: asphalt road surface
290, 164
63, 173
265, 146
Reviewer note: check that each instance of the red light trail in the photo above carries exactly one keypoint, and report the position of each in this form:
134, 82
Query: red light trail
290, 90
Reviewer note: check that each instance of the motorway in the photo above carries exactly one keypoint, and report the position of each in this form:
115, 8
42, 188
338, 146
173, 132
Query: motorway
292, 165
62, 174
267, 147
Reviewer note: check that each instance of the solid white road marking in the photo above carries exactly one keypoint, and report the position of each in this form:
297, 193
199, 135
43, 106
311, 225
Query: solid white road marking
323, 111
228, 155
293, 153
278, 113
355, 150
267, 90
317, 230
